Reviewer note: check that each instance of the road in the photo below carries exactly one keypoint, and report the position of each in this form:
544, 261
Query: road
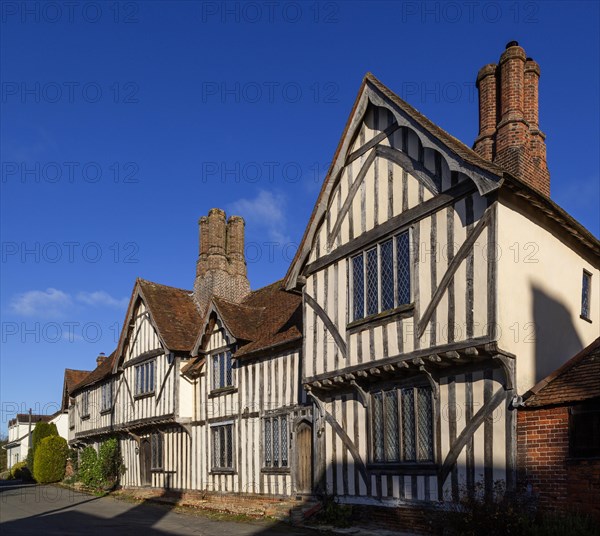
27, 509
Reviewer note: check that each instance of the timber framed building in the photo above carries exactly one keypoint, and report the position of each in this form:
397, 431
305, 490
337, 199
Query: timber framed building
434, 285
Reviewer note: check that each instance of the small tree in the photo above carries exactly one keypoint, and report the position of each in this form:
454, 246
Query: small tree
41, 430
111, 462
50, 459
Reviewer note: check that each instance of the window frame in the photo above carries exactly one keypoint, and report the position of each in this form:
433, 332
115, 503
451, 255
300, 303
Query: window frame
85, 404
157, 453
577, 451
230, 467
414, 466
107, 400
140, 376
219, 355
283, 443
586, 314
379, 298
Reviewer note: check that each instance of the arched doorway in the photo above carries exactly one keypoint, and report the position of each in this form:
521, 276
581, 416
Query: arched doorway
145, 462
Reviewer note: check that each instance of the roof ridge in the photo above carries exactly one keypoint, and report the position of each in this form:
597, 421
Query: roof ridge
142, 280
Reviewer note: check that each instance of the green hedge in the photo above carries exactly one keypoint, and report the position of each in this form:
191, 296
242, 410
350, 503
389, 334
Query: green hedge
102, 470
50, 459
41, 430
20, 471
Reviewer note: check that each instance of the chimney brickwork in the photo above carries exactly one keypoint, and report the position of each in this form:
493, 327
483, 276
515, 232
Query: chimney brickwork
221, 266
509, 133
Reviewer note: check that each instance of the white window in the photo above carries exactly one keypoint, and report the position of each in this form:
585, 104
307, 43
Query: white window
222, 370
381, 277
275, 443
144, 377
222, 447
107, 395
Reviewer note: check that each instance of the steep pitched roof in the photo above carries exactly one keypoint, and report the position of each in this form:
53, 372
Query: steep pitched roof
72, 378
577, 380
101, 372
487, 175
174, 312
266, 318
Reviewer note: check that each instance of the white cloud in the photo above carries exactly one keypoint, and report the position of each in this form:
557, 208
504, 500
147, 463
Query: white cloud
266, 211
101, 298
54, 303
45, 303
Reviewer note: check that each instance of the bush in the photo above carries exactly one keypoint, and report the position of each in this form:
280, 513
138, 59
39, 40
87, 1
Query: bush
101, 471
89, 469
41, 430
50, 459
20, 471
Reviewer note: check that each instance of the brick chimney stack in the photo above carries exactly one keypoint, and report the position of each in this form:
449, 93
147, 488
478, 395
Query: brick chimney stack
509, 133
100, 359
221, 266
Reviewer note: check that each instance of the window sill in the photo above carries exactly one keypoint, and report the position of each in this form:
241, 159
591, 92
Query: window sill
425, 468
85, 417
573, 460
223, 471
106, 411
381, 318
143, 395
585, 318
230, 389
275, 470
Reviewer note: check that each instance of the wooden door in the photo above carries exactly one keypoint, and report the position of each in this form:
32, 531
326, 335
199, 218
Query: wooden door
304, 462
145, 462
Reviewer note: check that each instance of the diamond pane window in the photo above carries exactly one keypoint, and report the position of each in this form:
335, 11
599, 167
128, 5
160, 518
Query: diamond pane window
358, 286
268, 439
408, 424
378, 427
222, 370
372, 282
390, 400
144, 378
387, 275
425, 424
156, 443
403, 268
284, 442
275, 442
222, 454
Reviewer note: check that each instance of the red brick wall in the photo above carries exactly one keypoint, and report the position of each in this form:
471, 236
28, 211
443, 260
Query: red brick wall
544, 464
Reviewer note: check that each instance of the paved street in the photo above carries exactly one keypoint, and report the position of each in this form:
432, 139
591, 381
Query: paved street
48, 510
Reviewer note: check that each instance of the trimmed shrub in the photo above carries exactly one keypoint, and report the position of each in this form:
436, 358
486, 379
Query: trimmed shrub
50, 459
41, 430
20, 471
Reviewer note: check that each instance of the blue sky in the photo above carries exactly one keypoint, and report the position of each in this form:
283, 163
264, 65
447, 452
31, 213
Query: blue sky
124, 122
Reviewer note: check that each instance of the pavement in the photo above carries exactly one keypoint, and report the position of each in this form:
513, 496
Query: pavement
29, 509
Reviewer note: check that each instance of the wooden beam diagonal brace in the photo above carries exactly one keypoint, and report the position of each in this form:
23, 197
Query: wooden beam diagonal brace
341, 343
372, 143
164, 383
467, 433
460, 256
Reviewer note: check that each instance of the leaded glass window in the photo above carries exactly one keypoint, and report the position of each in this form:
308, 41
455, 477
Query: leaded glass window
402, 425
222, 370
156, 443
275, 442
222, 443
85, 404
381, 277
144, 377
107, 395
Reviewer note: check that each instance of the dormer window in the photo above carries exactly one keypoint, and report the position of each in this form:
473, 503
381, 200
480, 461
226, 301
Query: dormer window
222, 370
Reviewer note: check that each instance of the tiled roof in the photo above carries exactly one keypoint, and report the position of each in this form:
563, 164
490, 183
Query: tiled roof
174, 313
73, 377
24, 418
101, 372
577, 380
279, 322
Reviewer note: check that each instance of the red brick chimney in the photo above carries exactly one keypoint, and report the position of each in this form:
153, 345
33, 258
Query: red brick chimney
509, 133
221, 266
100, 359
